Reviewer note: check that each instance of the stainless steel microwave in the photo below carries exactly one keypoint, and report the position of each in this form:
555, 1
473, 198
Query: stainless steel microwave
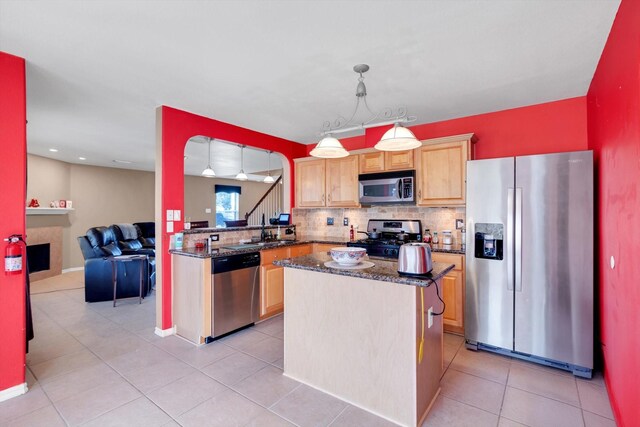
387, 188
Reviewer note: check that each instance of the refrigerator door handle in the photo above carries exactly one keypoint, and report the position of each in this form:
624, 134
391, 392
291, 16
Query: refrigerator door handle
509, 243
518, 240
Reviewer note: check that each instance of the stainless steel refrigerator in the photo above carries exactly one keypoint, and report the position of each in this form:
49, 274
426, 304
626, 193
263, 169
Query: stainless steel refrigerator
529, 258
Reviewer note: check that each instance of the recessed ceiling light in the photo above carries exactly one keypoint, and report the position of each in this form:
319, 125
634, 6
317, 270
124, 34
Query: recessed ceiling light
122, 161
53, 150
82, 158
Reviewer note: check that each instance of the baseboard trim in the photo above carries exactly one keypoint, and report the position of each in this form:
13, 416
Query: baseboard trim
14, 391
69, 270
165, 332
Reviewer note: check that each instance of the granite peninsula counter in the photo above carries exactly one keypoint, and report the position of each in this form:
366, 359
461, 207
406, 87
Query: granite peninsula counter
365, 335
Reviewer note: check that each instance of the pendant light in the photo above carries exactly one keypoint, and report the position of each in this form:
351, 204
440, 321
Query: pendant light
329, 148
208, 172
269, 179
241, 175
398, 138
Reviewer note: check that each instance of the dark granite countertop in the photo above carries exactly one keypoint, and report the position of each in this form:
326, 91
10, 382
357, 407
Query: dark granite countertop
220, 250
384, 270
225, 229
449, 249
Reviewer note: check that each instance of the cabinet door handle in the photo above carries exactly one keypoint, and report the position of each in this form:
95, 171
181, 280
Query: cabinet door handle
329, 197
419, 194
322, 198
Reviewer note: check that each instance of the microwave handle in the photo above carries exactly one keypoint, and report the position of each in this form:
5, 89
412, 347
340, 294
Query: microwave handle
400, 195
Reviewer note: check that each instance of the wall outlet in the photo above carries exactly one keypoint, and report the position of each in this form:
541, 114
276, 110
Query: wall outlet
214, 237
329, 220
459, 224
345, 221
430, 317
207, 210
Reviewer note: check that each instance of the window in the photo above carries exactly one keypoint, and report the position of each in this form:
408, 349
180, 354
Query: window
227, 204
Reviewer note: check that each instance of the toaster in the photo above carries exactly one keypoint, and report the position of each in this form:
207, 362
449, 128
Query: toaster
414, 259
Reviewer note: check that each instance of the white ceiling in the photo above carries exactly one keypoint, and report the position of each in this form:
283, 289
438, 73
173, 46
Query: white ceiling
96, 70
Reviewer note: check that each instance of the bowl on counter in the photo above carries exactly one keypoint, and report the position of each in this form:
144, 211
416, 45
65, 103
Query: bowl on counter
347, 255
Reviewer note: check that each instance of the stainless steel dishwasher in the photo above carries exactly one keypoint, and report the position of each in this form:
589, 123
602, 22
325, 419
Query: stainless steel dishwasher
236, 287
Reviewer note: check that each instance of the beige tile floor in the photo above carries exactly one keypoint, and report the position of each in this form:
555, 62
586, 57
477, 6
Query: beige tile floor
96, 365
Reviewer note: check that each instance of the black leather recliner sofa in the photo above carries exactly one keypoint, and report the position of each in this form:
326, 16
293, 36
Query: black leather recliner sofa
98, 246
146, 233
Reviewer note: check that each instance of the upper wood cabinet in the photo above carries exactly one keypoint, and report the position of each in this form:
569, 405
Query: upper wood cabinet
342, 182
398, 160
310, 177
381, 161
372, 162
330, 182
442, 171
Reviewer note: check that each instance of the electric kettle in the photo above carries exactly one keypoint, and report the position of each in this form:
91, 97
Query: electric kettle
414, 259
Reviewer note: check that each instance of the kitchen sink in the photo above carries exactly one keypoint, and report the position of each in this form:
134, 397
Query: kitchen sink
244, 246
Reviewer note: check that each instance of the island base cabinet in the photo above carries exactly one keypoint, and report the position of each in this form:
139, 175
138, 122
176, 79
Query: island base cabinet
191, 297
358, 339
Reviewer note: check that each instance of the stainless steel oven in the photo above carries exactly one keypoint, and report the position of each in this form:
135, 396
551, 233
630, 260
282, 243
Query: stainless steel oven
387, 188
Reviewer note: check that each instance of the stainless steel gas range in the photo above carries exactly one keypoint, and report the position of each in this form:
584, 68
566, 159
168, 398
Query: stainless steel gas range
385, 236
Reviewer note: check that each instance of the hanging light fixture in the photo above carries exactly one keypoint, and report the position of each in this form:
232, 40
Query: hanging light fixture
400, 139
208, 172
241, 175
269, 179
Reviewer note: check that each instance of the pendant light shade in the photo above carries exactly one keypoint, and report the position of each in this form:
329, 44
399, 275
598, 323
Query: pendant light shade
329, 148
398, 138
241, 175
208, 172
269, 179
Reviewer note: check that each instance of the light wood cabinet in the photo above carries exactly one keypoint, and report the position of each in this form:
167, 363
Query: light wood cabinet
342, 182
300, 250
324, 247
330, 182
398, 160
372, 162
271, 282
452, 292
441, 172
381, 161
310, 183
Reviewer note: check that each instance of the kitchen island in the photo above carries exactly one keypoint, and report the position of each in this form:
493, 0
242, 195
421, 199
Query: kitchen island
357, 334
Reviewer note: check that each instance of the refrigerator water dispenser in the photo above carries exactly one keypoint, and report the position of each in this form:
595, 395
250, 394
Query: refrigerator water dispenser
489, 241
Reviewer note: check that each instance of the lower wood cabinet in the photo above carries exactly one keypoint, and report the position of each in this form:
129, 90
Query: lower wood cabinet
271, 282
272, 277
324, 247
452, 292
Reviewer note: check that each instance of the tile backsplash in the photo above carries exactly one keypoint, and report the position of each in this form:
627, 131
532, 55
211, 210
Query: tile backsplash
313, 222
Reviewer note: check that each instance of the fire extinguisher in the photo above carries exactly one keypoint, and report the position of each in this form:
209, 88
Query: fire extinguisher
13, 255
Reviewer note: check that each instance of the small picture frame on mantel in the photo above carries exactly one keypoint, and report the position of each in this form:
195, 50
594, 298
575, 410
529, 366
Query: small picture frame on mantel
69, 204
63, 204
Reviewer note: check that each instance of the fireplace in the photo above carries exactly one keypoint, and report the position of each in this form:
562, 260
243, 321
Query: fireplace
38, 257
44, 252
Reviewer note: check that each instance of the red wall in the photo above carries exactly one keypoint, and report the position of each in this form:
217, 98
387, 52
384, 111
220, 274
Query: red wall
537, 129
614, 134
177, 127
13, 152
